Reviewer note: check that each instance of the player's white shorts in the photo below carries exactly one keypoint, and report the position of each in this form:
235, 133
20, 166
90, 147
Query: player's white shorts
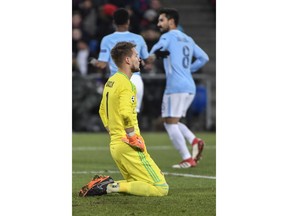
137, 81
176, 105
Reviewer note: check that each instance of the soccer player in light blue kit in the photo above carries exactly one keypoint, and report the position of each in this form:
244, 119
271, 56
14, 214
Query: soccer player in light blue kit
122, 21
180, 87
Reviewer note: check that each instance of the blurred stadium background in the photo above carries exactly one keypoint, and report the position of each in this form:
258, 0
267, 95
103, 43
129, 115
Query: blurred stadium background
92, 20
192, 191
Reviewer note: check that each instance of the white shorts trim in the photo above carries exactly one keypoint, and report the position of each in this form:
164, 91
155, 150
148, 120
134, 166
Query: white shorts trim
137, 81
176, 105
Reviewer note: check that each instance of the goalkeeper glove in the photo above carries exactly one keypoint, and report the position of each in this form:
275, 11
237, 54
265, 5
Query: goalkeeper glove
135, 141
161, 54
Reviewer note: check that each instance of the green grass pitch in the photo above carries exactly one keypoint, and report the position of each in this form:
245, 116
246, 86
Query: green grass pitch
190, 194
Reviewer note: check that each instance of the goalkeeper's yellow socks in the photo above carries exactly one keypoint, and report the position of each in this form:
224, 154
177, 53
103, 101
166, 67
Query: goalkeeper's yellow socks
138, 188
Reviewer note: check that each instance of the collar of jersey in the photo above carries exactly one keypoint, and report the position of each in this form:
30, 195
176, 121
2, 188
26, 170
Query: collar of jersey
125, 32
123, 74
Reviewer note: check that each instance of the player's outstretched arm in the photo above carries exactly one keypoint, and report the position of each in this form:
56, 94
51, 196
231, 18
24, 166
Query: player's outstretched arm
158, 54
96, 63
161, 53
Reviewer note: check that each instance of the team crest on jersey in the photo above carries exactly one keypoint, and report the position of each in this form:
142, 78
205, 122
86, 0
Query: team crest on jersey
133, 99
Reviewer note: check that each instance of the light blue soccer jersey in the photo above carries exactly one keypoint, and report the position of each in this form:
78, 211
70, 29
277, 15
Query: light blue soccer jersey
178, 67
109, 41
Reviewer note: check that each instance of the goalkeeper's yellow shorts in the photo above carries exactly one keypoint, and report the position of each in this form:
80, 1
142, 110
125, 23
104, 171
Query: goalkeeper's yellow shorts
136, 165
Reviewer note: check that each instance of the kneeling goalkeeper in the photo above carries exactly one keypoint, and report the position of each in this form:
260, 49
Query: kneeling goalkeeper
141, 175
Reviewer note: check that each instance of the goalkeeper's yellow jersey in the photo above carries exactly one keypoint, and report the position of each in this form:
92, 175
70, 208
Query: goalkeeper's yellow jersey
118, 106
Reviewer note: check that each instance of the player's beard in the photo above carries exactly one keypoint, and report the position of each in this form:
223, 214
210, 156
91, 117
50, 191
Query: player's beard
164, 29
135, 69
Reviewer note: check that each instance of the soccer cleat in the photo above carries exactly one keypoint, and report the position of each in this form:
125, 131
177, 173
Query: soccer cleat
96, 187
197, 148
185, 164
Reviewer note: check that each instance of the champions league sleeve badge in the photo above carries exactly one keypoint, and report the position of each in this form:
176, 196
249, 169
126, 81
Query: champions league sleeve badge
133, 99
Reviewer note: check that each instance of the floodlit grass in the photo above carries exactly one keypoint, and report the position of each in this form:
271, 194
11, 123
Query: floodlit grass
187, 195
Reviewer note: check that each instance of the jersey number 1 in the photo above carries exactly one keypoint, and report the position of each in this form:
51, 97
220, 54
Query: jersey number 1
107, 94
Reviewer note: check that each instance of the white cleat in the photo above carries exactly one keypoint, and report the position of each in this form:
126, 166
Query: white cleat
185, 164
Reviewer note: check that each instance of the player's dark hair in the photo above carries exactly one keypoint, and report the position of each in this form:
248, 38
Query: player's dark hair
170, 13
120, 51
121, 16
